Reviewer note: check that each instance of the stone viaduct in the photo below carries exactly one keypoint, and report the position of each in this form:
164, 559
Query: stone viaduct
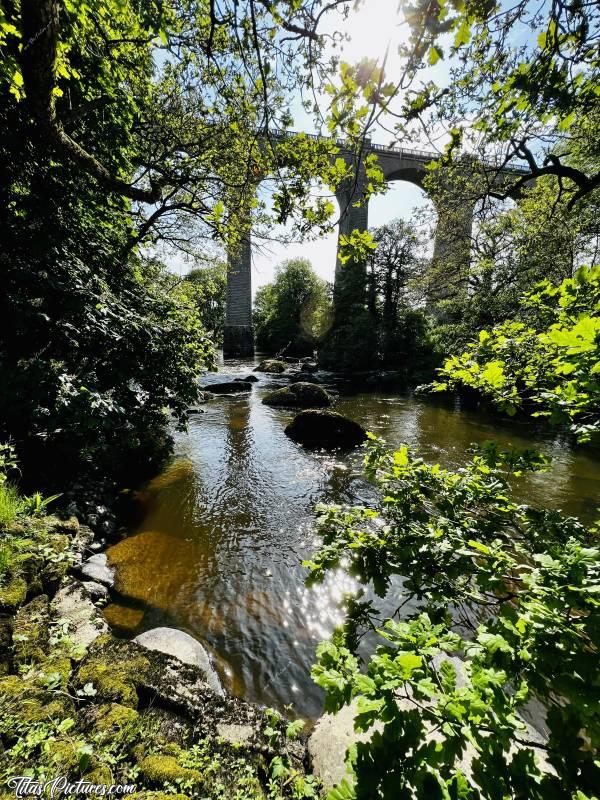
452, 241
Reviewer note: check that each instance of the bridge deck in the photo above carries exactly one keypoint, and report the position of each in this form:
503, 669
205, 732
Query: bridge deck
422, 156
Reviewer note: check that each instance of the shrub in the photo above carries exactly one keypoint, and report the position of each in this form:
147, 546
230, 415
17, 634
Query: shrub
509, 590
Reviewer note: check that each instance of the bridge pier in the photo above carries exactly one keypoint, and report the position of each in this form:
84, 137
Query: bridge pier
238, 333
449, 271
451, 261
350, 278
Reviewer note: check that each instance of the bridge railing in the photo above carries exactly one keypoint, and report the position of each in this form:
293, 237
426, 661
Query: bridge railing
407, 152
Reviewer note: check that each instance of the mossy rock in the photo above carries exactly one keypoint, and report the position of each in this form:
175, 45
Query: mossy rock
12, 686
29, 565
101, 775
272, 366
153, 796
70, 526
113, 717
13, 593
299, 395
55, 664
55, 569
113, 670
30, 631
160, 769
62, 754
23, 699
171, 749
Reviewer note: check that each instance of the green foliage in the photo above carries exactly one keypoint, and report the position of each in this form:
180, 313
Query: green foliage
530, 73
547, 364
159, 103
35, 504
208, 290
293, 313
283, 779
497, 605
512, 245
393, 270
8, 461
11, 504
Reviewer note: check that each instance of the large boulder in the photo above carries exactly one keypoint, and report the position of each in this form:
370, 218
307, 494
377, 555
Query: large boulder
299, 395
247, 379
331, 737
325, 429
230, 387
334, 734
181, 645
272, 365
309, 366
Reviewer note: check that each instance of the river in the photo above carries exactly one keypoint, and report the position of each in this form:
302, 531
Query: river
225, 527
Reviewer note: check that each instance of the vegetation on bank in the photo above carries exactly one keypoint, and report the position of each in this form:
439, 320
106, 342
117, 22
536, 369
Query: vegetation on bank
546, 361
293, 314
102, 711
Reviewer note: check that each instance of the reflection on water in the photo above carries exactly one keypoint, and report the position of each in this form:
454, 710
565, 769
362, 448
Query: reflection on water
227, 524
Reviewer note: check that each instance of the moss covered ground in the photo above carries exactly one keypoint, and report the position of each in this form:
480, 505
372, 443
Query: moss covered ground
95, 713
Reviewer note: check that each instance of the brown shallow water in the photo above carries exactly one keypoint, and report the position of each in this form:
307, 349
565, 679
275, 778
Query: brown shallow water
225, 528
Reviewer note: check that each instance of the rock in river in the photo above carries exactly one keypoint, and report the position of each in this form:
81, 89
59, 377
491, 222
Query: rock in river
325, 429
96, 569
299, 395
272, 365
230, 387
181, 645
309, 366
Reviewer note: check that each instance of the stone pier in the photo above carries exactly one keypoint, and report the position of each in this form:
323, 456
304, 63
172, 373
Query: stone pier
238, 335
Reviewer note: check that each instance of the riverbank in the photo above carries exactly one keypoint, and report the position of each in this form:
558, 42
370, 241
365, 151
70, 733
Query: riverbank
76, 701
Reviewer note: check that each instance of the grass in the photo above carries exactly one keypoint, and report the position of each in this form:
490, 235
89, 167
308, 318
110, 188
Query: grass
10, 504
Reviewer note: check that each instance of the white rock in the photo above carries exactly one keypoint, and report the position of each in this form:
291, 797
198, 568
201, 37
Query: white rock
334, 733
235, 734
95, 590
96, 569
331, 737
85, 623
181, 645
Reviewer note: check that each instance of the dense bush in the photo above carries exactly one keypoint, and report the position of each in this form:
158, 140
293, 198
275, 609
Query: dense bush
496, 606
546, 361
93, 352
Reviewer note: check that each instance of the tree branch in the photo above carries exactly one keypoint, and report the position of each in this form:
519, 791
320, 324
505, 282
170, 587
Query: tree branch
39, 29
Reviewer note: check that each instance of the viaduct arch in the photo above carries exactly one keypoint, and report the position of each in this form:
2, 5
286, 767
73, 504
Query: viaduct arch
452, 239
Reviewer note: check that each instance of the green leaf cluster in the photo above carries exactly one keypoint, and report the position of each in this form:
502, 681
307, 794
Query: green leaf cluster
548, 364
497, 616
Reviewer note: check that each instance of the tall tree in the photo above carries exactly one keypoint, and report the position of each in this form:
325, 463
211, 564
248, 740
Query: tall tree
292, 313
208, 286
125, 124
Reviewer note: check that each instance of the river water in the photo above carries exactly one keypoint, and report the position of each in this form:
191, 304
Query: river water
225, 527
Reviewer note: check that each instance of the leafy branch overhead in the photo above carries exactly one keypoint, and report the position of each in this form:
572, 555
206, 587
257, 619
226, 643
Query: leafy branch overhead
193, 95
